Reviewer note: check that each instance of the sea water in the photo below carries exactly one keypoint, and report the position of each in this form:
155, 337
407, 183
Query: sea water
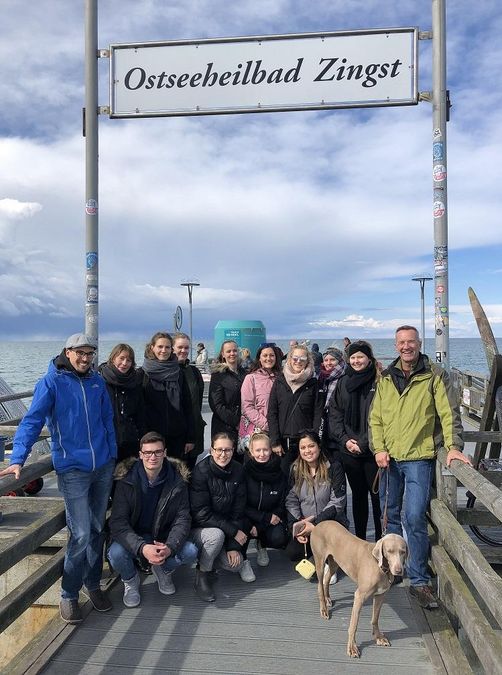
23, 363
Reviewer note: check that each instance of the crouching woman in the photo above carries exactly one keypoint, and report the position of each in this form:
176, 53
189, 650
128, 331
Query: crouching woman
150, 519
218, 503
317, 492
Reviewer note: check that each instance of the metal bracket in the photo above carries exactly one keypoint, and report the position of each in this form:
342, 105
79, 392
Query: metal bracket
425, 35
425, 96
103, 53
103, 110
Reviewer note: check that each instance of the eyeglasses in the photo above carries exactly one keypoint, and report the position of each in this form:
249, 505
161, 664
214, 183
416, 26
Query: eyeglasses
299, 359
222, 451
152, 453
84, 355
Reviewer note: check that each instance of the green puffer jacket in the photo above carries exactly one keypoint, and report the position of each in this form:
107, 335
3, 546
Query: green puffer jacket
414, 424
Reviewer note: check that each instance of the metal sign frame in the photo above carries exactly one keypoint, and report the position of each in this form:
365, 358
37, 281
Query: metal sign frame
196, 103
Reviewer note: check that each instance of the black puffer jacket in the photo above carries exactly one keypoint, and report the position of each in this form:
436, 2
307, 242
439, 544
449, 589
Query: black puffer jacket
267, 486
128, 409
171, 522
225, 398
339, 426
218, 498
289, 413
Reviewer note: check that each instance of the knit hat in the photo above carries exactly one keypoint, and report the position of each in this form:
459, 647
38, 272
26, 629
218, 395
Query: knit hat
334, 352
363, 347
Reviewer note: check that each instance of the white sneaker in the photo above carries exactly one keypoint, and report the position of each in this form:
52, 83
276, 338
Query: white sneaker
334, 577
246, 572
132, 597
262, 558
164, 580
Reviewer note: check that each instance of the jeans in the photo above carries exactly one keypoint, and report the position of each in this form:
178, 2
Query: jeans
122, 560
412, 481
86, 500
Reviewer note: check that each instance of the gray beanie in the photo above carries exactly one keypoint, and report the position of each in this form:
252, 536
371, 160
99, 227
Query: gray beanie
334, 352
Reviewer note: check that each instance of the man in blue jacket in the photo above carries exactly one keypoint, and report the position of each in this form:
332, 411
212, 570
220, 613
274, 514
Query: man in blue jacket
73, 401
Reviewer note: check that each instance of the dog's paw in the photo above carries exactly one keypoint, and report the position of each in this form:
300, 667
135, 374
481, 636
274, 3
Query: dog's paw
382, 641
324, 613
353, 651
329, 602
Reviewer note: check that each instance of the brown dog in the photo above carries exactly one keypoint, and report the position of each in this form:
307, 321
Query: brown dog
371, 566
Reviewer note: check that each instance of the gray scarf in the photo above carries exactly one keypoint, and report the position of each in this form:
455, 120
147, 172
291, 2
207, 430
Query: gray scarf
164, 376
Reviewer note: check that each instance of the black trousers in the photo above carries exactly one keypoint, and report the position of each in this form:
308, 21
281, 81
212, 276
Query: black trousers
361, 472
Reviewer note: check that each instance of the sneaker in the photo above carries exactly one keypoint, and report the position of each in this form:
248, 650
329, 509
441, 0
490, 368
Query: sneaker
262, 558
164, 580
99, 600
132, 597
334, 577
70, 611
424, 596
246, 572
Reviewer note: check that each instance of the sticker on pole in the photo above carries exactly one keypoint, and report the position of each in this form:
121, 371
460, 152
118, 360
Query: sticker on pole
91, 207
439, 173
438, 209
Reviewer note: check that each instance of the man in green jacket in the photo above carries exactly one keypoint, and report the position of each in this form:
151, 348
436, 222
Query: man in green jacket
412, 415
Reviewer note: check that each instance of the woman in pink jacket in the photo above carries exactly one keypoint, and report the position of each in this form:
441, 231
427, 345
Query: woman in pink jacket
255, 390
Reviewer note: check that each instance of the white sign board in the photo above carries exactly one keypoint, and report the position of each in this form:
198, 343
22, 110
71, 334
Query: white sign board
311, 71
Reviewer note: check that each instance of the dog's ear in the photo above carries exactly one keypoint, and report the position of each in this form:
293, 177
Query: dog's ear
377, 552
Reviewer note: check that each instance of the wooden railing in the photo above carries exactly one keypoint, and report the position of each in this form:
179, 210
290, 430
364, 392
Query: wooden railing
467, 584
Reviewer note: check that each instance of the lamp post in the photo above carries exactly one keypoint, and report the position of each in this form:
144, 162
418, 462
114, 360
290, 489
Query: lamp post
422, 281
190, 286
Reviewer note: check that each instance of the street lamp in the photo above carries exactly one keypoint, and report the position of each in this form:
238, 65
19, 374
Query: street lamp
190, 286
422, 281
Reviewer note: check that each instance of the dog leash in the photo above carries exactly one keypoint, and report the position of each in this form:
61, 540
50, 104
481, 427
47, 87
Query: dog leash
376, 489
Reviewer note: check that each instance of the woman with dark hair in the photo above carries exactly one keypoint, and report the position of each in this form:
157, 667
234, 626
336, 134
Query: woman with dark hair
316, 492
332, 368
348, 423
218, 502
168, 409
255, 391
294, 404
195, 384
126, 393
266, 491
225, 390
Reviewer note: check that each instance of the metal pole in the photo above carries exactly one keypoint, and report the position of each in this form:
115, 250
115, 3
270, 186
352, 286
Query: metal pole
439, 173
91, 169
190, 285
422, 281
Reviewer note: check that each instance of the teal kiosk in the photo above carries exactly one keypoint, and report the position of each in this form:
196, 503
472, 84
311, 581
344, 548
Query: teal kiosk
248, 334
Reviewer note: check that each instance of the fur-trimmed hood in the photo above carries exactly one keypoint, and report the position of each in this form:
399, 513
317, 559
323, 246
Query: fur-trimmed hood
125, 466
223, 367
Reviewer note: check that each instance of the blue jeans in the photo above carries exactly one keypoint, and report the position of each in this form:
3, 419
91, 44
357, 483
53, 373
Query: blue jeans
122, 560
86, 500
411, 481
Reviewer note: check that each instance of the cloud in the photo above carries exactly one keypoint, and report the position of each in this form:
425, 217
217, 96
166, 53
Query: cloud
15, 210
351, 321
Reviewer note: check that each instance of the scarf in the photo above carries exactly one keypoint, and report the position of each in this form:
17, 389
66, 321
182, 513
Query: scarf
358, 384
268, 472
164, 376
329, 379
115, 378
296, 380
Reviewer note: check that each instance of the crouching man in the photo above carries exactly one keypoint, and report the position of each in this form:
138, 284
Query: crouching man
150, 518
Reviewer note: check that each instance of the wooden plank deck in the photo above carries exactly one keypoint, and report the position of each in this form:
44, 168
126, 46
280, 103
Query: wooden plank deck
269, 627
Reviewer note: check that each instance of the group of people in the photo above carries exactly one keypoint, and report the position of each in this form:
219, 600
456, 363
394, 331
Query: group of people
284, 440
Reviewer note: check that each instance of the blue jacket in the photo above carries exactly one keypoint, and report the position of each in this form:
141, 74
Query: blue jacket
79, 416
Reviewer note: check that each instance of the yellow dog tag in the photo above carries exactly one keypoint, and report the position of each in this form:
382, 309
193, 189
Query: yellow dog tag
305, 568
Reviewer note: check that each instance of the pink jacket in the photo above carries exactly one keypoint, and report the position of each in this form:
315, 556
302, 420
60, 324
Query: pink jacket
255, 393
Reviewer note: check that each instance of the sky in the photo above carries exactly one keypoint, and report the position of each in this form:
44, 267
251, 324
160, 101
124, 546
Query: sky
312, 222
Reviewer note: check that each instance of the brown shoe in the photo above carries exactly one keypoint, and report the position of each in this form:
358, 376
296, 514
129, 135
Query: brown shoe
424, 596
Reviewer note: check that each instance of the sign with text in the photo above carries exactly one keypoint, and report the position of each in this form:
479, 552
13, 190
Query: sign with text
311, 71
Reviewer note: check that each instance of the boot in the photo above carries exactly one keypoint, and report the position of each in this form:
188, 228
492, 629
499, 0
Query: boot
203, 586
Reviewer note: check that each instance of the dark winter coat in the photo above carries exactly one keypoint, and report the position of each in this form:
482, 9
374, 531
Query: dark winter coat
225, 398
289, 413
266, 486
160, 416
171, 522
340, 431
195, 385
218, 498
